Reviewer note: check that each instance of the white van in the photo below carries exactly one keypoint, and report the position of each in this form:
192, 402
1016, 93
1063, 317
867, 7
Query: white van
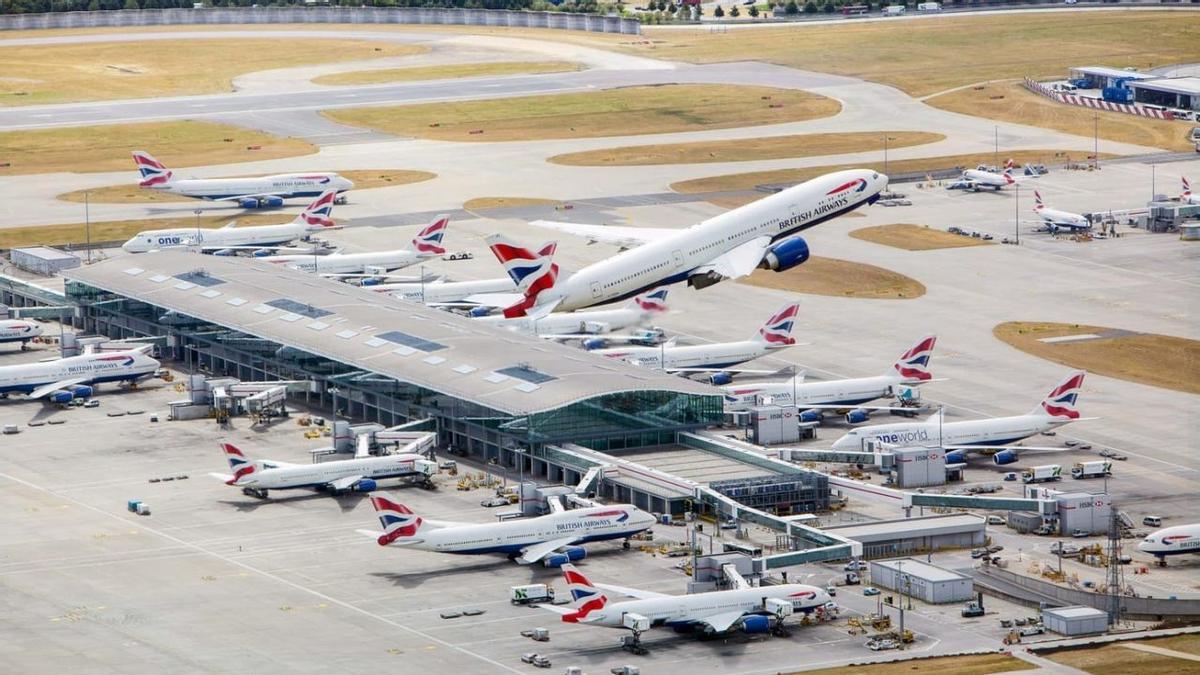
1152, 521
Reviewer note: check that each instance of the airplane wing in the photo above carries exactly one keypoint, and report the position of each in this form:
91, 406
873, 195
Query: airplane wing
493, 299
829, 406
344, 483
534, 553
223, 477
1040, 448
556, 609
260, 195
740, 261
625, 237
632, 592
55, 386
723, 621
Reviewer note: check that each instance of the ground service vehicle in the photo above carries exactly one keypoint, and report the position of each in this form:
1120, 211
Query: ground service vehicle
1097, 469
1042, 474
531, 593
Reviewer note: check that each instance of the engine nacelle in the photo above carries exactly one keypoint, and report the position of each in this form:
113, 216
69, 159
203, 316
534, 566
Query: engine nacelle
60, 396
756, 624
594, 343
366, 485
812, 416
80, 390
248, 203
1004, 457
575, 553
720, 379
225, 252
480, 311
272, 202
593, 327
857, 416
785, 255
370, 281
568, 555
956, 457
262, 252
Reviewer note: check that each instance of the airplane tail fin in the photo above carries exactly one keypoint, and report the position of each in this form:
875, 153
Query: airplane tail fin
1187, 187
777, 331
533, 273
1009, 164
318, 215
398, 521
239, 463
653, 302
153, 172
585, 598
1038, 204
1061, 402
1008, 175
913, 365
429, 240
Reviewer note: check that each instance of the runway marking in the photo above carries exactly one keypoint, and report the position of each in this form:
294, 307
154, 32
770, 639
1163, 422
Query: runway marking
273, 577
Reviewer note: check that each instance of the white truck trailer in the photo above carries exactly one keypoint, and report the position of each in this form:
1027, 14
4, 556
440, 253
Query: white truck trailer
1042, 474
1097, 469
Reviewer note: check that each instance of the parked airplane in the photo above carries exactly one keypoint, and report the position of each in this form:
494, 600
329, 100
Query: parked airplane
247, 192
257, 477
975, 179
1186, 196
569, 325
427, 244
445, 293
1059, 220
229, 239
63, 379
554, 539
748, 609
912, 368
728, 246
997, 433
19, 330
1174, 540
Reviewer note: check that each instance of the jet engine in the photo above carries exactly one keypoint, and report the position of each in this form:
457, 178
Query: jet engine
366, 485
756, 624
857, 416
956, 457
1004, 457
812, 416
785, 255
61, 396
594, 343
569, 554
80, 390
720, 379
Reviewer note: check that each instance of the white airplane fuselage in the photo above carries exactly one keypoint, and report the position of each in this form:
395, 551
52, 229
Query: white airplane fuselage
1175, 540
849, 392
286, 186
675, 258
715, 355
280, 476
593, 322
87, 369
437, 292
19, 330
931, 434
688, 610
349, 263
258, 235
1064, 219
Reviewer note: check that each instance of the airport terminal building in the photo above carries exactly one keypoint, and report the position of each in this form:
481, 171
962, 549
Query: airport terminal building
491, 392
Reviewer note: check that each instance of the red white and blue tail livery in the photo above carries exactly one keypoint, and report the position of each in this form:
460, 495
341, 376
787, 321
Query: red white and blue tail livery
585, 597
153, 172
1061, 400
1186, 196
913, 365
533, 273
654, 301
429, 240
319, 214
239, 464
777, 331
398, 520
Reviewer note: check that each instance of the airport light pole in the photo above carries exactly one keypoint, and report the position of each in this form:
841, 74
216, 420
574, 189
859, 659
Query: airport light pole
1017, 212
996, 148
87, 225
197, 212
1096, 140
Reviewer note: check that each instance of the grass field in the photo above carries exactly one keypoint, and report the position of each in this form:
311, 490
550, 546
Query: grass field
1021, 106
123, 70
1146, 358
107, 148
979, 664
1119, 659
485, 203
914, 237
746, 181
364, 179
445, 72
932, 55
747, 149
839, 278
120, 230
616, 112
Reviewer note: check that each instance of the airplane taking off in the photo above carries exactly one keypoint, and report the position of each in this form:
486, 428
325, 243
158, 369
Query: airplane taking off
776, 333
1186, 196
73, 377
748, 609
229, 239
360, 474
1175, 540
249, 193
1059, 220
19, 330
975, 179
912, 368
554, 539
997, 433
728, 246
571, 325
427, 244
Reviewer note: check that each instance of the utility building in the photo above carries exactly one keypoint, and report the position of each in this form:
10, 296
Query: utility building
930, 583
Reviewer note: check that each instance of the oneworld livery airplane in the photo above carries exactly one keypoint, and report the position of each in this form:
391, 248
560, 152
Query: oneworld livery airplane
995, 434
553, 539
247, 192
728, 246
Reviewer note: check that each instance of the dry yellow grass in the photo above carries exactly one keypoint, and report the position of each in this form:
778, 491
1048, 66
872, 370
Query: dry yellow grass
979, 664
448, 71
615, 112
107, 148
746, 149
914, 237
1021, 106
364, 179
119, 230
485, 203
1146, 358
932, 55
747, 181
840, 278
1118, 659
123, 70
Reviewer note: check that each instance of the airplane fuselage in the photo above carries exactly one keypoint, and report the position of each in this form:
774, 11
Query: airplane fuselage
277, 476
570, 323
348, 263
849, 392
19, 330
87, 369
597, 523
446, 291
1176, 540
285, 186
716, 355
689, 610
931, 434
258, 235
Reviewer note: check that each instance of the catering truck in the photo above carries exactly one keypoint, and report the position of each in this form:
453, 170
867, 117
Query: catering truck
1097, 469
1042, 474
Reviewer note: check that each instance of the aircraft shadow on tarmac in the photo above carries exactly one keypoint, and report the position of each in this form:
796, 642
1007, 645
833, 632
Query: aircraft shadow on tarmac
346, 502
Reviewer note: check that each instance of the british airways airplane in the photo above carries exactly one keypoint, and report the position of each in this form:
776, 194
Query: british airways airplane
1186, 196
1175, 540
19, 330
427, 244
247, 192
76, 376
732, 245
